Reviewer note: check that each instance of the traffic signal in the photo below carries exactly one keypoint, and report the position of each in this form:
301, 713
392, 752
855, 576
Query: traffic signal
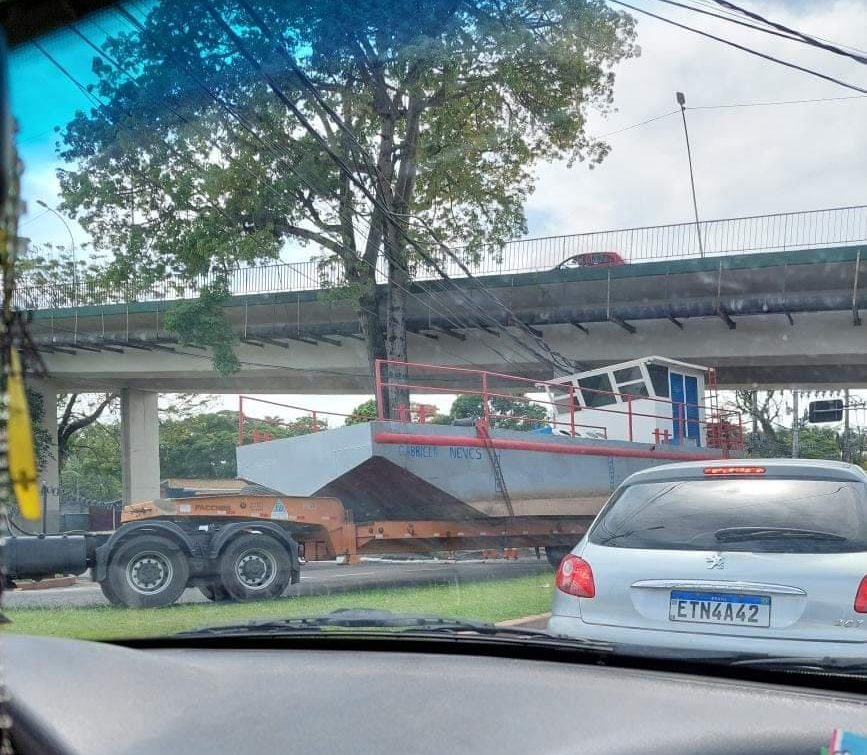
826, 411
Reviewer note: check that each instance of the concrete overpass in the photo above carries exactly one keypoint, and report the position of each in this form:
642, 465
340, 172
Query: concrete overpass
771, 319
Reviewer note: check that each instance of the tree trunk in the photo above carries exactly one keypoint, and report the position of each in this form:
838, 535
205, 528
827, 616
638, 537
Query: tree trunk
398, 281
370, 307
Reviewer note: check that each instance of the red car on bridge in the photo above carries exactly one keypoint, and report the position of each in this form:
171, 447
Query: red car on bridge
592, 259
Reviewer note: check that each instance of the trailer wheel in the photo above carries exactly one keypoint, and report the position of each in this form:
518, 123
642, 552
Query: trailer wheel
555, 554
148, 572
255, 567
214, 591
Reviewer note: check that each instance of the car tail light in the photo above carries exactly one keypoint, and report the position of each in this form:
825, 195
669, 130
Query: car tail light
575, 577
733, 470
861, 597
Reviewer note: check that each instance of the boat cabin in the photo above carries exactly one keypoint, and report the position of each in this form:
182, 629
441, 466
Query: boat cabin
647, 400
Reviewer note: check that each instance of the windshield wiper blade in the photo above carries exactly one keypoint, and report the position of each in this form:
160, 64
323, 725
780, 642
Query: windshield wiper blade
797, 663
365, 619
734, 534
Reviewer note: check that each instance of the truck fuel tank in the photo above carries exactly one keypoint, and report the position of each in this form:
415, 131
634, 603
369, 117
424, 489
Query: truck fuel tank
35, 556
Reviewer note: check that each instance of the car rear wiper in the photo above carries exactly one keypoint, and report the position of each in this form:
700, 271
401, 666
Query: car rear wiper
735, 534
363, 618
628, 533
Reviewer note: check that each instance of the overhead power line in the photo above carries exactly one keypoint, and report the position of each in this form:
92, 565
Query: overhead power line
730, 18
805, 38
742, 48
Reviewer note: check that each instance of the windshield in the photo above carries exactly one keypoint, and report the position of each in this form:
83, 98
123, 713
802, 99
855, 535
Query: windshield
374, 306
765, 516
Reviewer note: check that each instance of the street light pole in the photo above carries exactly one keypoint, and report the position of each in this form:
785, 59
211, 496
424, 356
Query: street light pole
72, 245
681, 100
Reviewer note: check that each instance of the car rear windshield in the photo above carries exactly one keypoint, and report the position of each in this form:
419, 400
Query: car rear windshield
757, 515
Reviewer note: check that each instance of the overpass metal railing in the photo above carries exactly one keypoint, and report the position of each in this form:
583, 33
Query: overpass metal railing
838, 226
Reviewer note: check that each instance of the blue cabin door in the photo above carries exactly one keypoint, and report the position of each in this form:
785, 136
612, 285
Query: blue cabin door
684, 407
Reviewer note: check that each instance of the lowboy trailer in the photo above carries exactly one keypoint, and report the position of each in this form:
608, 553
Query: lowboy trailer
251, 547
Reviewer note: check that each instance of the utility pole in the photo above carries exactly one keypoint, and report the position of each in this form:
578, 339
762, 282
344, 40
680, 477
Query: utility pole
796, 427
754, 403
846, 453
681, 100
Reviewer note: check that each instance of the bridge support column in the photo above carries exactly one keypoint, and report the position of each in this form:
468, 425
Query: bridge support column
140, 450
49, 468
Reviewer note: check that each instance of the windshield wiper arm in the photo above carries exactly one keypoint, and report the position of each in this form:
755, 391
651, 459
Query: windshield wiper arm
363, 618
734, 534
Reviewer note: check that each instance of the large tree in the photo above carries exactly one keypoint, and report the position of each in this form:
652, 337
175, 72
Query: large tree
378, 131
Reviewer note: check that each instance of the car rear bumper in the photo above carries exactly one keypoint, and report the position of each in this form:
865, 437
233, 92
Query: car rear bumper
673, 643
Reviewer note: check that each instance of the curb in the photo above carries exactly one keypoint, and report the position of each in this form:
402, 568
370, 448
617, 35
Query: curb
45, 584
525, 620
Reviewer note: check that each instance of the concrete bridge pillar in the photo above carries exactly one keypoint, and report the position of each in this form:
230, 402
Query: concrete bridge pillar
49, 470
140, 451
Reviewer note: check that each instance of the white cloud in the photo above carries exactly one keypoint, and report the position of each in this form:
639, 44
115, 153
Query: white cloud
747, 160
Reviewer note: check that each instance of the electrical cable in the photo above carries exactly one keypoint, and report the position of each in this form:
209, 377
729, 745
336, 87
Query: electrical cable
743, 48
805, 38
731, 19
636, 125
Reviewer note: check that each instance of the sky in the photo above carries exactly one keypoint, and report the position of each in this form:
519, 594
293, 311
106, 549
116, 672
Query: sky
747, 160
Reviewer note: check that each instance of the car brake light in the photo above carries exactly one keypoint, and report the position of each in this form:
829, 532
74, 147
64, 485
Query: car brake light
575, 577
733, 470
861, 597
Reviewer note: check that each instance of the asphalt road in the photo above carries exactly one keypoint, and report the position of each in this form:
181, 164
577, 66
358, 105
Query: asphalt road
318, 578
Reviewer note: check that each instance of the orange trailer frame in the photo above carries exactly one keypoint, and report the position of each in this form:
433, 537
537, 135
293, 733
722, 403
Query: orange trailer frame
326, 530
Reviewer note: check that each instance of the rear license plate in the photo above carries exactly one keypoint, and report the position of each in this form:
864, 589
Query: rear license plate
720, 608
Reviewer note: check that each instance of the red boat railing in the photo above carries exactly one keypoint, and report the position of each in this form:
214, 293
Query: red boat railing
723, 428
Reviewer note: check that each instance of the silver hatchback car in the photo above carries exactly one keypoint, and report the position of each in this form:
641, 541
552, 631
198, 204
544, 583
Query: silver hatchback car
740, 557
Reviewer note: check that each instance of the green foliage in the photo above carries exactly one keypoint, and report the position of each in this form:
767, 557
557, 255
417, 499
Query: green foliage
507, 414
200, 446
195, 446
50, 275
454, 104
92, 463
41, 436
203, 323
814, 443
364, 412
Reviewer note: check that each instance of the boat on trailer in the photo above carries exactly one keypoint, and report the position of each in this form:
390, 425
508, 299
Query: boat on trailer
601, 425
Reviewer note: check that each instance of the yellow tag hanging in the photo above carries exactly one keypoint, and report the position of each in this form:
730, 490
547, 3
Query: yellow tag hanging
22, 459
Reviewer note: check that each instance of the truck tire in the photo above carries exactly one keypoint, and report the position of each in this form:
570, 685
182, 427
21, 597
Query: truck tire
109, 594
555, 554
255, 567
214, 591
148, 572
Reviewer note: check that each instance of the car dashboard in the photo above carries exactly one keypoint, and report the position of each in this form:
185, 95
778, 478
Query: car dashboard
80, 697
